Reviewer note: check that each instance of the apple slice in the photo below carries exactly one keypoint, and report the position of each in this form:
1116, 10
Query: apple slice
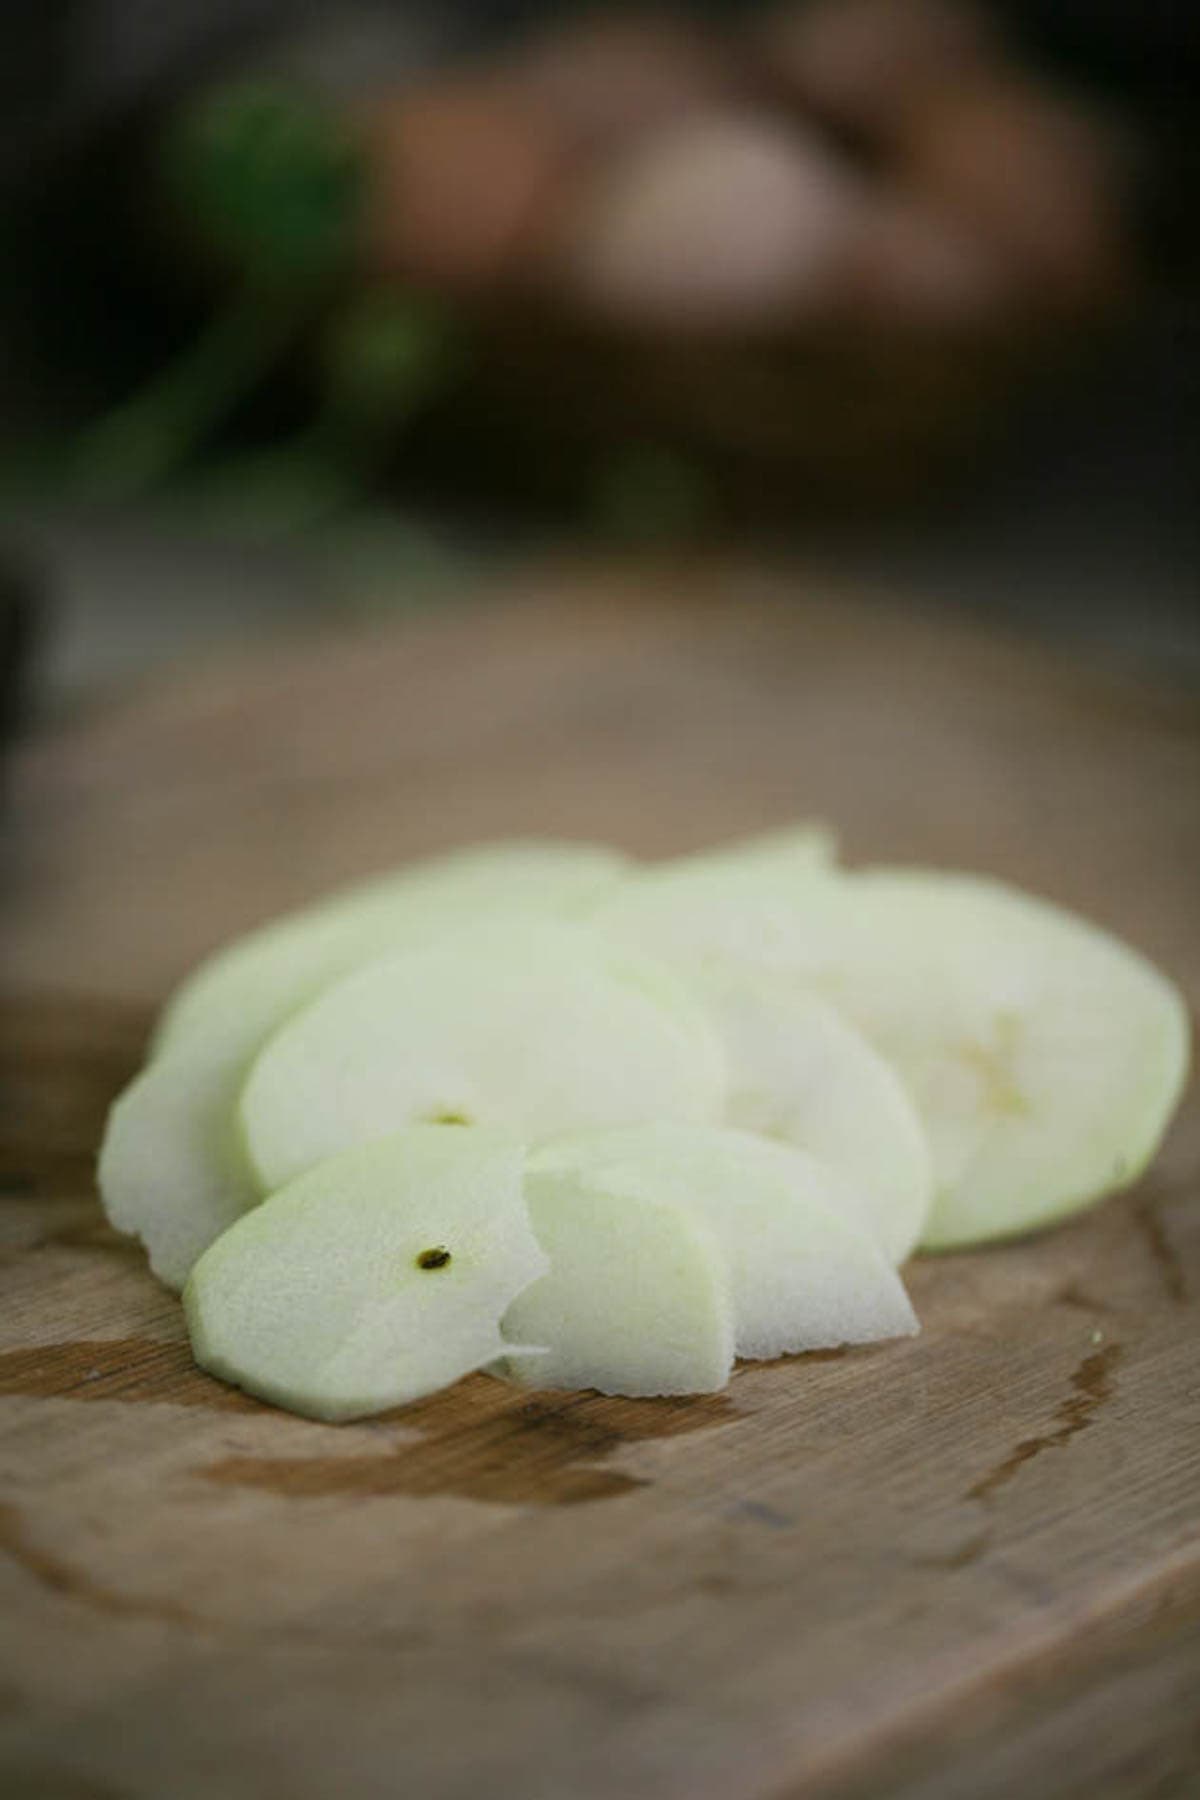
541, 1028
716, 908
378, 1277
774, 858
804, 1274
172, 1167
1044, 1056
733, 924
172, 1170
799, 1072
251, 986
636, 1299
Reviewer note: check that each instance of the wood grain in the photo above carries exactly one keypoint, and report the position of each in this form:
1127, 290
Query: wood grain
965, 1565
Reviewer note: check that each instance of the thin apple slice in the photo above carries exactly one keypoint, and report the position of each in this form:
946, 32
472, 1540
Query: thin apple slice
172, 1169
773, 858
804, 1274
540, 1028
705, 911
732, 923
1044, 1056
636, 1299
378, 1277
800, 1073
248, 988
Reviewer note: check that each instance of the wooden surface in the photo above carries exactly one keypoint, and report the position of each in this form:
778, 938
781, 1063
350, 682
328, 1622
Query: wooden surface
965, 1565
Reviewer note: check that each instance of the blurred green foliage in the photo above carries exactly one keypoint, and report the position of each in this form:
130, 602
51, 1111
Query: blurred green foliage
267, 177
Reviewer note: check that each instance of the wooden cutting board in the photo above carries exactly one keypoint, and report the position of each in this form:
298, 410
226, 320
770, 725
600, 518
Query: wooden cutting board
965, 1565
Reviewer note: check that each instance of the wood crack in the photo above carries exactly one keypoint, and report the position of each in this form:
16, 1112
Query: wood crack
1166, 1257
57, 1576
1092, 1384
60, 1577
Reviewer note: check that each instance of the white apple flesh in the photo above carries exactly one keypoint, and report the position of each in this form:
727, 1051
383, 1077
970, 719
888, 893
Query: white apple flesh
775, 858
636, 1299
526, 1108
732, 923
253, 984
540, 1028
700, 913
172, 1169
803, 1273
1044, 1056
800, 1073
376, 1278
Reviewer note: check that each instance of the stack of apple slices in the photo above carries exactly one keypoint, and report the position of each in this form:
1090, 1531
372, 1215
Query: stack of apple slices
533, 1109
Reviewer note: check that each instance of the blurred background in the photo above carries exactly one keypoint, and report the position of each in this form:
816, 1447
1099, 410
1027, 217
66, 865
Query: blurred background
314, 312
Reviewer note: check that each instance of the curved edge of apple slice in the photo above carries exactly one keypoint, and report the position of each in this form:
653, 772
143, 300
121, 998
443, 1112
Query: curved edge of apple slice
804, 1272
537, 1027
779, 853
273, 969
378, 1277
1075, 1045
801, 1074
636, 1300
172, 1170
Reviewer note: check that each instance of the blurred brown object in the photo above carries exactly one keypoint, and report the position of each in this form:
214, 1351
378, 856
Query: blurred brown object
842, 418
865, 66
913, 268
823, 255
862, 320
463, 172
610, 77
1035, 174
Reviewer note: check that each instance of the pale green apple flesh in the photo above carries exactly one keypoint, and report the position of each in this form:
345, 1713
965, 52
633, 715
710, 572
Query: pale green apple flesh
380, 1276
704, 911
636, 1299
732, 924
751, 1084
804, 1273
800, 1073
539, 1028
172, 1169
250, 987
1044, 1057
774, 858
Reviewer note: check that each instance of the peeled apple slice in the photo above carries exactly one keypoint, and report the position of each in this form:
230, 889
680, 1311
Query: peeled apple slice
731, 922
804, 1275
636, 1299
250, 987
376, 1278
779, 857
172, 1168
709, 910
800, 1073
540, 1028
1044, 1057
